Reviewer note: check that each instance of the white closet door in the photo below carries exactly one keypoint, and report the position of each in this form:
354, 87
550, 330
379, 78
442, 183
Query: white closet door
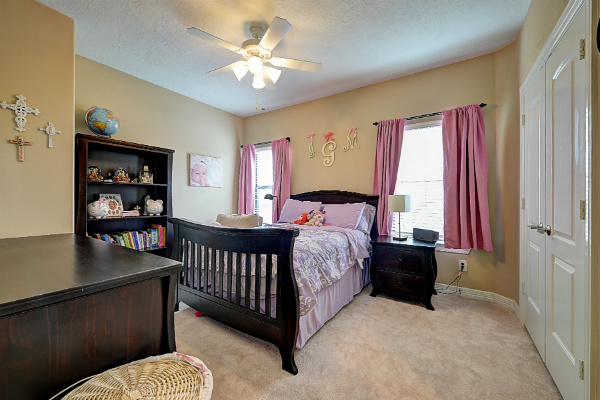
565, 188
535, 212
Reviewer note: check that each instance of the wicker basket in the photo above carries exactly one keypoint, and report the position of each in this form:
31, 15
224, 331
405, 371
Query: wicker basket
168, 377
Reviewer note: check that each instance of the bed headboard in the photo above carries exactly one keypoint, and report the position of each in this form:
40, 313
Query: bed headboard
340, 197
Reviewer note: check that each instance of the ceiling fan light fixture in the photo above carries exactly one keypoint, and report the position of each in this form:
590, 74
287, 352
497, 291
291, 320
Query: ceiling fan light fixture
258, 82
240, 69
255, 65
273, 74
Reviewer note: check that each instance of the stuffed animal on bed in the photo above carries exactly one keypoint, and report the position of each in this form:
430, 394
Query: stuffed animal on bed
302, 219
318, 219
305, 217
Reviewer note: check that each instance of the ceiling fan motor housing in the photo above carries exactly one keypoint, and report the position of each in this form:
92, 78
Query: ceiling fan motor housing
251, 48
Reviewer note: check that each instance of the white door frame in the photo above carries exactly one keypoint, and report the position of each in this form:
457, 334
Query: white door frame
557, 33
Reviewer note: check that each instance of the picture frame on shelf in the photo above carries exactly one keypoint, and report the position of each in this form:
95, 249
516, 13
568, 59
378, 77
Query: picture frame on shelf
115, 205
205, 171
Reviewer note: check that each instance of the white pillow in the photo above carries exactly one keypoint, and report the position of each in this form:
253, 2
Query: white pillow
239, 220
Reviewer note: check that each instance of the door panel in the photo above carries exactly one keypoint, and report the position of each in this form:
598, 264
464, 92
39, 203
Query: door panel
535, 147
565, 188
562, 149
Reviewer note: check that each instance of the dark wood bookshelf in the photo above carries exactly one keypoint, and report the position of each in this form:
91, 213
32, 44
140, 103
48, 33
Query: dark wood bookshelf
109, 155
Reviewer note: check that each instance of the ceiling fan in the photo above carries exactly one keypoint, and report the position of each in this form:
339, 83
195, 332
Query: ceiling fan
257, 52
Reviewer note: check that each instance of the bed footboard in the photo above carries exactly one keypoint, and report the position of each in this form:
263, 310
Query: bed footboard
242, 278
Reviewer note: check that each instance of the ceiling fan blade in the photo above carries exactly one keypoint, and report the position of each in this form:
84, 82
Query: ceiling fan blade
226, 68
213, 39
296, 64
279, 27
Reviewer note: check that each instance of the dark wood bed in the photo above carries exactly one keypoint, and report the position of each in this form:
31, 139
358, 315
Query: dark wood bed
206, 246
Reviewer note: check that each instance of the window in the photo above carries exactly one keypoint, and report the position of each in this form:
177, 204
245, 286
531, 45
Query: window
420, 176
264, 183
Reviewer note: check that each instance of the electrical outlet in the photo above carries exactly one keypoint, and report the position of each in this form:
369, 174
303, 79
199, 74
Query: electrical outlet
462, 265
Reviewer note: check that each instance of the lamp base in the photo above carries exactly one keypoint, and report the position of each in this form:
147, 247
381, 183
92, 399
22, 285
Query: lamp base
401, 238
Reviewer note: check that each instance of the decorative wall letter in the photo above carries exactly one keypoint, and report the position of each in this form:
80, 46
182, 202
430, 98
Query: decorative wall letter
311, 149
329, 142
351, 142
21, 110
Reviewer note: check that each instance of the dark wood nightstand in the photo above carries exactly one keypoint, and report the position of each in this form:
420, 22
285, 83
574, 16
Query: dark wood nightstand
404, 269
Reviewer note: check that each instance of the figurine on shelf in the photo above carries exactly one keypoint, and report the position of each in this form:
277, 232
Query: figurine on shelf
152, 207
146, 176
121, 175
93, 174
97, 209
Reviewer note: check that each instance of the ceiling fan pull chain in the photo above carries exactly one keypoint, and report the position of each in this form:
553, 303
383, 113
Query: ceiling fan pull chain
256, 93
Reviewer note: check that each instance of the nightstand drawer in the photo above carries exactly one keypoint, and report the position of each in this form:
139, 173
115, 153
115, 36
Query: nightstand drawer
401, 260
411, 285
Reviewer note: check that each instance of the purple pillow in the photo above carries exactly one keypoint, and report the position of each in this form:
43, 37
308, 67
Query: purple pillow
293, 209
343, 215
366, 220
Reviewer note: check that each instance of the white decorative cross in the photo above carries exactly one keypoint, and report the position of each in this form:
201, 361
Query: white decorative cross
50, 131
21, 110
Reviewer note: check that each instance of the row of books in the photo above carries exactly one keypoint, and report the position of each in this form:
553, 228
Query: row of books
146, 239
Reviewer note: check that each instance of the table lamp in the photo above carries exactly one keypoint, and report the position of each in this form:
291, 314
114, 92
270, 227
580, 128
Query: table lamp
398, 203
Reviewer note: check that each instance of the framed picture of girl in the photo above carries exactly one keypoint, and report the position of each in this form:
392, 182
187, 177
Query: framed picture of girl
206, 171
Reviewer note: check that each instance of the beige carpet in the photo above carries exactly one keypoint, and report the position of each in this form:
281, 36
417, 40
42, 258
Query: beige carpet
380, 348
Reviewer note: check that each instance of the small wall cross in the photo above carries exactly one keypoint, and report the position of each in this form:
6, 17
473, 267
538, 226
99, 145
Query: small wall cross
20, 142
50, 131
21, 110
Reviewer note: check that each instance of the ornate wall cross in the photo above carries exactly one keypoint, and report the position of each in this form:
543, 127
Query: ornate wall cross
50, 131
20, 142
21, 110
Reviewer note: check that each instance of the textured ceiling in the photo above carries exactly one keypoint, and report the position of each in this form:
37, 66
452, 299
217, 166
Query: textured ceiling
359, 42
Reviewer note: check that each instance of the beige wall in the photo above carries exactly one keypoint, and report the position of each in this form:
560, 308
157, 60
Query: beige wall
37, 61
539, 22
467, 82
156, 116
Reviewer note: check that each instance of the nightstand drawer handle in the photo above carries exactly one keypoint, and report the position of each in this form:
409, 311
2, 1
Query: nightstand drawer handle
399, 260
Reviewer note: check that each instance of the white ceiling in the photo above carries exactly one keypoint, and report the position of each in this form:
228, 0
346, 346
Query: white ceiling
359, 42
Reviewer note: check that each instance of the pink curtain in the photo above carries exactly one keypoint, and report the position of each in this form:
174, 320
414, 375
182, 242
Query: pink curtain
281, 175
387, 159
466, 214
246, 185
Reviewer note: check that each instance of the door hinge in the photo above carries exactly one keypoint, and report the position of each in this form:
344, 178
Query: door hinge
523, 287
581, 49
523, 119
581, 370
522, 203
582, 210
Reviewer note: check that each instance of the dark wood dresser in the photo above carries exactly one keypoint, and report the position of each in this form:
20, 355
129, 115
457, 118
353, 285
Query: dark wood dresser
404, 269
72, 306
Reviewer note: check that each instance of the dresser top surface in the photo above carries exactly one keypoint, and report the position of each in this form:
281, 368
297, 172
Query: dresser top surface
40, 270
409, 242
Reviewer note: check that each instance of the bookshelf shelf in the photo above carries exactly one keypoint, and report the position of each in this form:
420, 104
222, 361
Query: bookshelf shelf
109, 155
127, 184
120, 218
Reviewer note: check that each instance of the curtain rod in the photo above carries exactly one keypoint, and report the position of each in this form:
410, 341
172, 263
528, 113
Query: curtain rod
258, 144
428, 115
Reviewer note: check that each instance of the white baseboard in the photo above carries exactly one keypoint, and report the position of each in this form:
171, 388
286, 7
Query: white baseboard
481, 295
